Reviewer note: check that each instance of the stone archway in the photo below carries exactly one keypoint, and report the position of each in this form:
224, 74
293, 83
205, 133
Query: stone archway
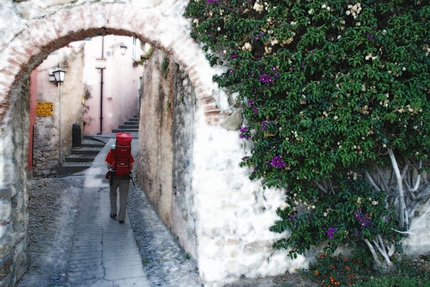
231, 214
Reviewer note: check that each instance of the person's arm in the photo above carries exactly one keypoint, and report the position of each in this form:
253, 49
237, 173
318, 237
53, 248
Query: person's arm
131, 162
109, 159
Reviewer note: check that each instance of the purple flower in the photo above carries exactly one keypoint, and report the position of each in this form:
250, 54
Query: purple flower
370, 38
265, 78
292, 217
233, 56
264, 125
212, 2
245, 133
231, 71
331, 231
250, 102
255, 110
277, 162
362, 218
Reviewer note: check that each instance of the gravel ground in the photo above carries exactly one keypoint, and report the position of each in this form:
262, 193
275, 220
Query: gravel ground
52, 217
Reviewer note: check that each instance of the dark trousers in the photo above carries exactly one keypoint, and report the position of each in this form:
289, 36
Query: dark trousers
121, 186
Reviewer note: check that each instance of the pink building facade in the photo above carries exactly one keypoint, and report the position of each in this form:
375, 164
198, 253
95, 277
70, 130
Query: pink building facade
112, 80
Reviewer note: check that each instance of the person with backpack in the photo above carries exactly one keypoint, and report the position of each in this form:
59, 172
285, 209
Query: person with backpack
119, 163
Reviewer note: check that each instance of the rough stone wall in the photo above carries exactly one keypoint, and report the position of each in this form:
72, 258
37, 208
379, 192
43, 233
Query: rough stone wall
183, 213
155, 137
14, 260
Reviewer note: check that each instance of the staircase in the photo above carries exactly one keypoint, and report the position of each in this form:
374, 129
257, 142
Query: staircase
130, 126
82, 157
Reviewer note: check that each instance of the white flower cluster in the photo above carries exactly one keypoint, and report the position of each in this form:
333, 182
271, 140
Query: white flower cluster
354, 10
385, 102
247, 47
374, 202
409, 109
427, 49
289, 40
371, 57
258, 7
324, 6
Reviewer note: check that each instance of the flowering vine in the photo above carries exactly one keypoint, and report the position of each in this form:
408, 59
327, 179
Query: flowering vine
335, 95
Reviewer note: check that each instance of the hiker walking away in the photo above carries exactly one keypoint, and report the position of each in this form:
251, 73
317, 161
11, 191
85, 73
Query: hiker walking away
119, 163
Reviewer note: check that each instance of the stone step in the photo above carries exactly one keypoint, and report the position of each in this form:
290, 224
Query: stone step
128, 127
67, 168
85, 151
131, 123
125, 130
93, 145
79, 158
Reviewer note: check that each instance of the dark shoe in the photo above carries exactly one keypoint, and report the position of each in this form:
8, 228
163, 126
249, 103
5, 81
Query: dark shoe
113, 216
121, 221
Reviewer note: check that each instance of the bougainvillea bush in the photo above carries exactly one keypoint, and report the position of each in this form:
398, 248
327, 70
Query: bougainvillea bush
335, 99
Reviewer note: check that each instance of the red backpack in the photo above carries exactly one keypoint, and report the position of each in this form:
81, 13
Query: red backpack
122, 154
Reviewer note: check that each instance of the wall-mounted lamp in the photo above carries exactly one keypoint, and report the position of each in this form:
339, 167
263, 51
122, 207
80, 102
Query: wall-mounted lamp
59, 75
123, 49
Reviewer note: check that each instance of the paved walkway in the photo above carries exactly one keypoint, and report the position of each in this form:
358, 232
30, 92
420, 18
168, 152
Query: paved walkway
104, 252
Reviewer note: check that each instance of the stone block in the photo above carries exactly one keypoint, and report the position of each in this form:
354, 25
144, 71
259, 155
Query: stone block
4, 250
258, 247
5, 209
5, 193
5, 265
233, 122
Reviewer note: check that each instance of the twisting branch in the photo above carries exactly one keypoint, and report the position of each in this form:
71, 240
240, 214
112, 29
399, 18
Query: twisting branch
371, 181
321, 187
402, 205
418, 182
383, 182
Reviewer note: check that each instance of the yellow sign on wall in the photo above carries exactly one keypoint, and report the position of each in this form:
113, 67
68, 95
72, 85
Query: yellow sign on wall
44, 109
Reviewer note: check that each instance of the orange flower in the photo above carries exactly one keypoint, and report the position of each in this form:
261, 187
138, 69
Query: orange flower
333, 267
351, 276
331, 279
345, 259
316, 272
347, 268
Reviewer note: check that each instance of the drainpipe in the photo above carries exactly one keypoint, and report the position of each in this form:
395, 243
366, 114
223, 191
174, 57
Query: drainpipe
101, 88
